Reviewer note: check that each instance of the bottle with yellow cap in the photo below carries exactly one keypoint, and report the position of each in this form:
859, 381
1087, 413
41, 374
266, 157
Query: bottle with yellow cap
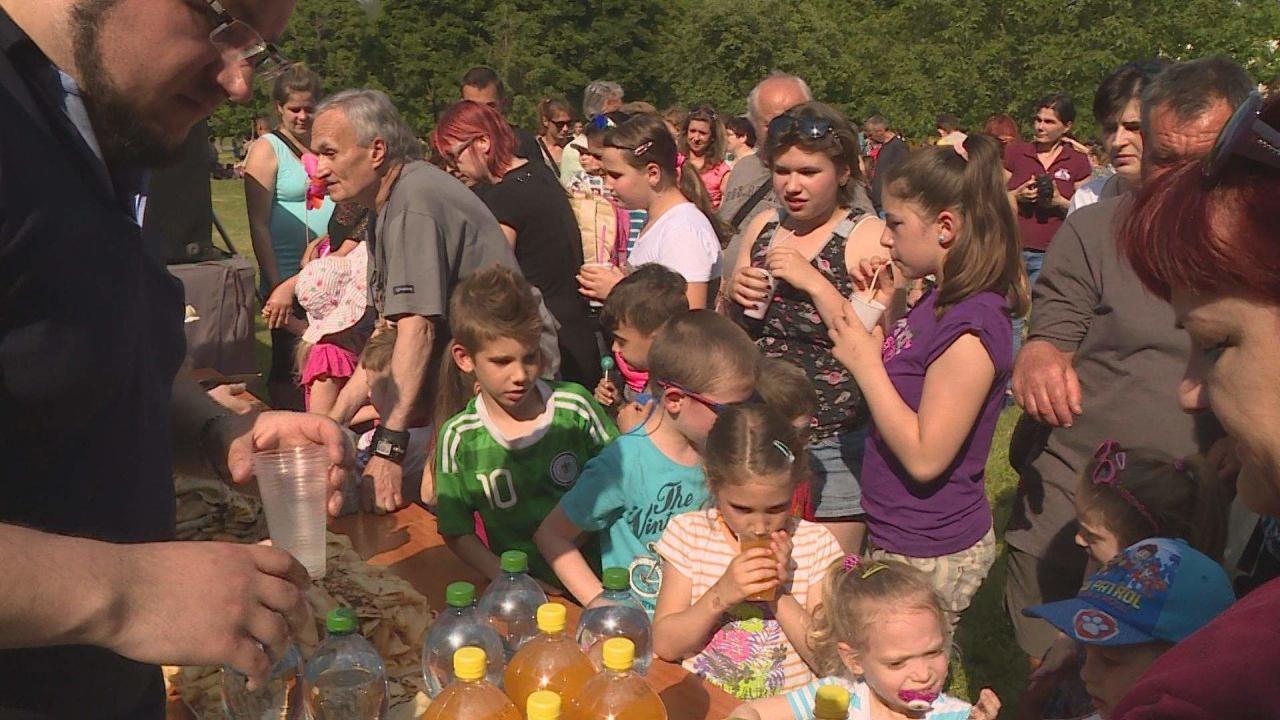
470, 696
618, 693
551, 661
543, 705
831, 703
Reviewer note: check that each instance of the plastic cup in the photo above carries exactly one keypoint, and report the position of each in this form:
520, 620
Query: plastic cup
596, 304
867, 310
293, 488
762, 307
747, 541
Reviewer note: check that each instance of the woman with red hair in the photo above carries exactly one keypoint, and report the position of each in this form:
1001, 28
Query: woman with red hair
1204, 237
476, 142
1002, 128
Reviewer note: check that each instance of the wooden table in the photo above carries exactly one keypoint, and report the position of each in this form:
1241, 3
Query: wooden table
407, 543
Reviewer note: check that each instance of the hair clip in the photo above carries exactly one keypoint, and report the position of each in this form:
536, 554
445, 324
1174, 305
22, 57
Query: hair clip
786, 451
850, 562
873, 568
602, 122
1110, 460
642, 148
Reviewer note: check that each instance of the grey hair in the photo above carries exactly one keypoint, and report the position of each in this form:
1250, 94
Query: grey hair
596, 94
1190, 88
372, 115
753, 109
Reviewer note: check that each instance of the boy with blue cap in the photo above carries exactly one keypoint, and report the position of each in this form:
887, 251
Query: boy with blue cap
1149, 598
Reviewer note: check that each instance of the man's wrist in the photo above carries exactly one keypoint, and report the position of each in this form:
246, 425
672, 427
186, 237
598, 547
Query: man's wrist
216, 436
390, 444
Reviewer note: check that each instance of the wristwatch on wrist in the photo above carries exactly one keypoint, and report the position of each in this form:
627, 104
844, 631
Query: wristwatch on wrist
390, 444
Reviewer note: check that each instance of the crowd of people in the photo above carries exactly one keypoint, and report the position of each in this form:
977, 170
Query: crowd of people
758, 362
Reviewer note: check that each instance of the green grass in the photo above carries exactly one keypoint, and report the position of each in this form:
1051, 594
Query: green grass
988, 655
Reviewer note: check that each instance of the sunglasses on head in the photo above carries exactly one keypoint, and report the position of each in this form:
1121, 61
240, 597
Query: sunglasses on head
1244, 135
807, 127
716, 408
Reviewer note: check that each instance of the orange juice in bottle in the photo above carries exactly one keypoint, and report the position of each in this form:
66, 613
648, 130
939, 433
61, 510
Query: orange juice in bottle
618, 693
551, 661
469, 697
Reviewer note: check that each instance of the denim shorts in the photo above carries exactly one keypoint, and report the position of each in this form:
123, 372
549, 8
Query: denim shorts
836, 462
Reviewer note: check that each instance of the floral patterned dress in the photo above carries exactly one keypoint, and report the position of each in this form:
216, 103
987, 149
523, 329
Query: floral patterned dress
792, 330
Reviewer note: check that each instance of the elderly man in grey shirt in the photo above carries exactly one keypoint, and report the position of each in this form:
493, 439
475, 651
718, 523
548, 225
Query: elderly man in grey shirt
1102, 354
427, 233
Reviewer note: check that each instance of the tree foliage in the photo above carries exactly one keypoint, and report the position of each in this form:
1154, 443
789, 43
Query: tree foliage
905, 59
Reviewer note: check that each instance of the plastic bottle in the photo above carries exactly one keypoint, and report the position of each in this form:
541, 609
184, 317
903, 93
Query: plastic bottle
460, 625
346, 679
543, 705
550, 661
511, 602
616, 613
831, 703
618, 693
470, 696
281, 697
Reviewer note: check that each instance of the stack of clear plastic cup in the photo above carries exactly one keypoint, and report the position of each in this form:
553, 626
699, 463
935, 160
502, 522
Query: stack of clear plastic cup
292, 482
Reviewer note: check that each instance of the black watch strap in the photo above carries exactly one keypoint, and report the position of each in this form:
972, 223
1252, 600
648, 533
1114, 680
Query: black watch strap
390, 444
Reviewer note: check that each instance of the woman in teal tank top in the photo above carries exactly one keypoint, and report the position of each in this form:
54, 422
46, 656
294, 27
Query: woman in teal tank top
280, 224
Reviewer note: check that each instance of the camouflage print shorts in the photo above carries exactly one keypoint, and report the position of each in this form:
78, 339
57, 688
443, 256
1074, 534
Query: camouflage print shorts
955, 577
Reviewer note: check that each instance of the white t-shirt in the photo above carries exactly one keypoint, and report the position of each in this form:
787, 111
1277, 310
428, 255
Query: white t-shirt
683, 241
1088, 193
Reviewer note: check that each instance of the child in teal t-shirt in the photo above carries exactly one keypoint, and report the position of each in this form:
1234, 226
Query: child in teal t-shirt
654, 472
521, 442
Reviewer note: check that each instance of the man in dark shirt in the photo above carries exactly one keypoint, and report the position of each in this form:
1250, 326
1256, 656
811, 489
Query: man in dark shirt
91, 342
483, 85
892, 151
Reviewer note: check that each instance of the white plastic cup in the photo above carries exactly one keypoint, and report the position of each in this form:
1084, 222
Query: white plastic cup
292, 482
867, 310
762, 307
596, 304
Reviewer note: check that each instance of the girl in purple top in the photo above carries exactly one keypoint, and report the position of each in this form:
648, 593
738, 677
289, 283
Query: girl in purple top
934, 380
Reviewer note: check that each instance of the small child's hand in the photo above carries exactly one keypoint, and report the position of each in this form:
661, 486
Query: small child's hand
753, 571
987, 707
782, 547
606, 392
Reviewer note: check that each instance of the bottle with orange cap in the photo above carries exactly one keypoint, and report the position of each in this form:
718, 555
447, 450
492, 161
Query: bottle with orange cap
618, 693
551, 661
470, 696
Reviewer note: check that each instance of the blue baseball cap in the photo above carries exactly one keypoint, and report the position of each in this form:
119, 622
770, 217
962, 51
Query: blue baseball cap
1157, 589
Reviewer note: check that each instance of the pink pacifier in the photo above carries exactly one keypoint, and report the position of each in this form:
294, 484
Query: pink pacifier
917, 700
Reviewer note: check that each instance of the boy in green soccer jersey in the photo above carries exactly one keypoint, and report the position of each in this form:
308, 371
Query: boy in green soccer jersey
520, 443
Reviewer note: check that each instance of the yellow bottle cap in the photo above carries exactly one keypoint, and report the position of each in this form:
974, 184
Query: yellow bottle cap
551, 618
619, 653
832, 703
469, 663
543, 705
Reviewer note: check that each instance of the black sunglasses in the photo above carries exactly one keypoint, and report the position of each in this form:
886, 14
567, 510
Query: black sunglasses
1245, 135
561, 124
807, 127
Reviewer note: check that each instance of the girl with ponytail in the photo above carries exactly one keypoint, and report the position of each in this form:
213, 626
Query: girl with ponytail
934, 377
682, 231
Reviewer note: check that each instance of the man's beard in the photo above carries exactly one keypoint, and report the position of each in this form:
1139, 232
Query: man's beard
123, 134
